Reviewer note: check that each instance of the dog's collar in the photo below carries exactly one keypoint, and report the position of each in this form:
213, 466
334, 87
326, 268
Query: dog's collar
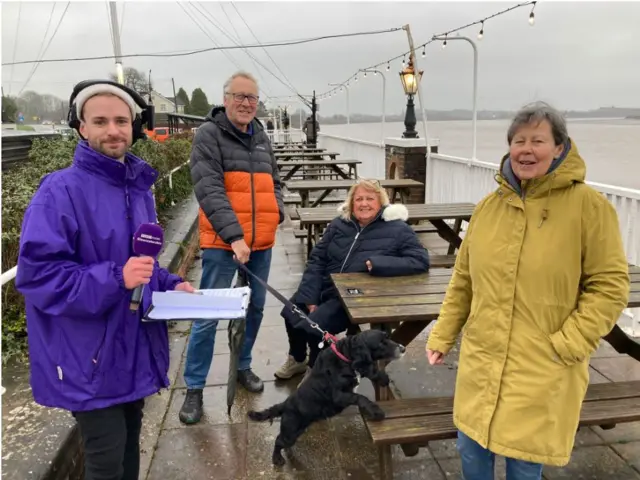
337, 352
332, 341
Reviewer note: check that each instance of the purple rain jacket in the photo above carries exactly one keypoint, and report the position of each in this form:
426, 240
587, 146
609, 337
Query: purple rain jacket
87, 350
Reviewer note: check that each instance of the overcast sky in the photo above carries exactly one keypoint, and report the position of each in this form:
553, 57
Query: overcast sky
578, 55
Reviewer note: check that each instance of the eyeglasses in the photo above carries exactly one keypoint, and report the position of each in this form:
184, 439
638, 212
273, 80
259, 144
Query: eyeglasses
239, 98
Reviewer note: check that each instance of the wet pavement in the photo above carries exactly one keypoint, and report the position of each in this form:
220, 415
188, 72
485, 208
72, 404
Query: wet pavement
225, 447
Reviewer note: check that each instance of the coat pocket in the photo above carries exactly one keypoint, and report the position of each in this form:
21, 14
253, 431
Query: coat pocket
82, 346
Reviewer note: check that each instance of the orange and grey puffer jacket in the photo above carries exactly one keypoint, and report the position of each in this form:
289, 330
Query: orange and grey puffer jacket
236, 182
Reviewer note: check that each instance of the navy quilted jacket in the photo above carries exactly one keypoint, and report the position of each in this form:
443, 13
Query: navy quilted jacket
388, 242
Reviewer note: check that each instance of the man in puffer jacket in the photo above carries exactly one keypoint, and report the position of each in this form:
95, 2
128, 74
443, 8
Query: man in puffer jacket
236, 181
370, 235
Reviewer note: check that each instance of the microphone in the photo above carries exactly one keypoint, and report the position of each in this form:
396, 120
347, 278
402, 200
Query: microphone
147, 242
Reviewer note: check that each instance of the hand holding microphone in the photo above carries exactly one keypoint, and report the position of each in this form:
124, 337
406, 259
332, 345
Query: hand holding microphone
147, 242
137, 271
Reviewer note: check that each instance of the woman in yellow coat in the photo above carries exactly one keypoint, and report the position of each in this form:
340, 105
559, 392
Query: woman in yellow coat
540, 277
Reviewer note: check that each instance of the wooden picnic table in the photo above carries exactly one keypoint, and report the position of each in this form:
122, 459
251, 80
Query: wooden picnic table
398, 187
410, 303
404, 307
300, 149
305, 155
333, 166
316, 219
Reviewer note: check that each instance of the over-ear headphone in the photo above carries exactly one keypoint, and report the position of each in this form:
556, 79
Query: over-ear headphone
145, 117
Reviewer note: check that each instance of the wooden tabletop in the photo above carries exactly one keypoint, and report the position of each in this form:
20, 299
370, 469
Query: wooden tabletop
316, 163
302, 154
298, 150
346, 184
415, 298
417, 211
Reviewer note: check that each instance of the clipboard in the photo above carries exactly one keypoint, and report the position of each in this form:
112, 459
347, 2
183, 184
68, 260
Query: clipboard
211, 304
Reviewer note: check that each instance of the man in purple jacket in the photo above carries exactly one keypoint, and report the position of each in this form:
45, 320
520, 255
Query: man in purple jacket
89, 353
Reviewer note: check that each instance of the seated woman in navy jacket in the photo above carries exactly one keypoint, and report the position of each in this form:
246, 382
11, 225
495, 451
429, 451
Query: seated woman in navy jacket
369, 235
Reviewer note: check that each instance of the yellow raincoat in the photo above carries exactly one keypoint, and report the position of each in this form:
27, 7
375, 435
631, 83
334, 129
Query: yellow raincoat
539, 279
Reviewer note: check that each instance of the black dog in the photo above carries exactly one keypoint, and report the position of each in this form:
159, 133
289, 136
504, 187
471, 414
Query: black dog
329, 388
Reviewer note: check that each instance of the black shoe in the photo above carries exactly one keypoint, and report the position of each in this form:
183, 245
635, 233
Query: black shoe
250, 381
191, 410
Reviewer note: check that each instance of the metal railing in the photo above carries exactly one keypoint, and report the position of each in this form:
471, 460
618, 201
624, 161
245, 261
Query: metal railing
15, 148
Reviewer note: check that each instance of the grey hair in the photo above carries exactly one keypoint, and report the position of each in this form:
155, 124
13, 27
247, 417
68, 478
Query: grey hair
241, 74
536, 112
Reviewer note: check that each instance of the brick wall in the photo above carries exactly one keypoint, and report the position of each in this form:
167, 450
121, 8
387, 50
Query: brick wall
408, 162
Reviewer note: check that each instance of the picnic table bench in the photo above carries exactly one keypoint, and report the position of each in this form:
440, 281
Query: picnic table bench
331, 165
409, 304
436, 214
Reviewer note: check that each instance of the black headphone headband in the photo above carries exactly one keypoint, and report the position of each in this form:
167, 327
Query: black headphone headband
146, 117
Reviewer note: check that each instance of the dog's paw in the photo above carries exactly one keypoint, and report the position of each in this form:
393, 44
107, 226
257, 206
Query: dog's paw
278, 459
374, 412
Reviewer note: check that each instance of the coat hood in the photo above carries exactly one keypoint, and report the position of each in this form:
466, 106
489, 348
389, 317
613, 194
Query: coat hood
393, 211
567, 169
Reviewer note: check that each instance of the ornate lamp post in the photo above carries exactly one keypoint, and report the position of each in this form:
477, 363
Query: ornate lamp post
410, 85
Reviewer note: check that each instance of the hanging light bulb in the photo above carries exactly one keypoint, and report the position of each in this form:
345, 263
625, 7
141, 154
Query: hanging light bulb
424, 53
365, 74
388, 67
444, 44
403, 62
356, 77
375, 74
481, 32
532, 16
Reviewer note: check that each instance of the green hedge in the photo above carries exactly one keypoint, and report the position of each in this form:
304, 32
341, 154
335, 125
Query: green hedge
20, 183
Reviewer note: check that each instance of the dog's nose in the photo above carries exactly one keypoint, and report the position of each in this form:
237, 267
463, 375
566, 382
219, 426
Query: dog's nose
402, 348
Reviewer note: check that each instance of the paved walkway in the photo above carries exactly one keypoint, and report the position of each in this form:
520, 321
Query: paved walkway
222, 447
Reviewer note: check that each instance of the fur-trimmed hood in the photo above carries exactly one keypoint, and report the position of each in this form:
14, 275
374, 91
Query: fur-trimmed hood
392, 211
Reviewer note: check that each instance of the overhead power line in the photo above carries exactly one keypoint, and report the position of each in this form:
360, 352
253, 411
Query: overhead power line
265, 50
211, 49
46, 48
422, 46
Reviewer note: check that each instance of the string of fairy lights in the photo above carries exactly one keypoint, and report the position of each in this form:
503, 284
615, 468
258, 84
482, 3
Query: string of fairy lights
340, 86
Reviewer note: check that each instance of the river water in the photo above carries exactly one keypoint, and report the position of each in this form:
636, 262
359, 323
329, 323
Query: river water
610, 147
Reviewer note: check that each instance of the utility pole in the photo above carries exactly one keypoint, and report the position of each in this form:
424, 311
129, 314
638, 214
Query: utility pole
150, 89
314, 107
116, 42
175, 99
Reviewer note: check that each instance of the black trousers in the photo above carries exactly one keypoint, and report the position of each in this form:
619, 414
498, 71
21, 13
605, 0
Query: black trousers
330, 316
111, 439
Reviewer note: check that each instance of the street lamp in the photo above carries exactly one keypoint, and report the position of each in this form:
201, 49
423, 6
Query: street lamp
410, 85
475, 87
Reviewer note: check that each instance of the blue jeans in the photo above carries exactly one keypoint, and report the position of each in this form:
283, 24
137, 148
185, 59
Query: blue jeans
218, 269
478, 463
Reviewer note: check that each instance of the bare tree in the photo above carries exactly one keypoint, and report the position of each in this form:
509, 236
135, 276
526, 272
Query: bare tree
134, 79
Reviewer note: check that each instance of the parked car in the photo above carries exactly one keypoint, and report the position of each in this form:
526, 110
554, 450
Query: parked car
158, 134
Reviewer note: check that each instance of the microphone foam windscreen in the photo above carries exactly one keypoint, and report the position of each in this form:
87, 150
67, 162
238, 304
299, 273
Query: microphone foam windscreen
148, 240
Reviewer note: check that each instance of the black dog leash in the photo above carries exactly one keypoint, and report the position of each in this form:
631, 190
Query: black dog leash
326, 336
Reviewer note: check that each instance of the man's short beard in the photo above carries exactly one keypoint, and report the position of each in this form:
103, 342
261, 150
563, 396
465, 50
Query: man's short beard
97, 146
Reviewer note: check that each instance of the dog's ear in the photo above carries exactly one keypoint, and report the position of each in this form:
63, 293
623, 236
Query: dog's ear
360, 355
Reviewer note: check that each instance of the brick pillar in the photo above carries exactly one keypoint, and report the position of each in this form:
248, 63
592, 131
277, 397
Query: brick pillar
406, 158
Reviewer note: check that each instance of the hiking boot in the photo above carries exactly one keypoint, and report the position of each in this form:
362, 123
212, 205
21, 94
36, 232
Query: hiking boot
191, 410
290, 368
250, 381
